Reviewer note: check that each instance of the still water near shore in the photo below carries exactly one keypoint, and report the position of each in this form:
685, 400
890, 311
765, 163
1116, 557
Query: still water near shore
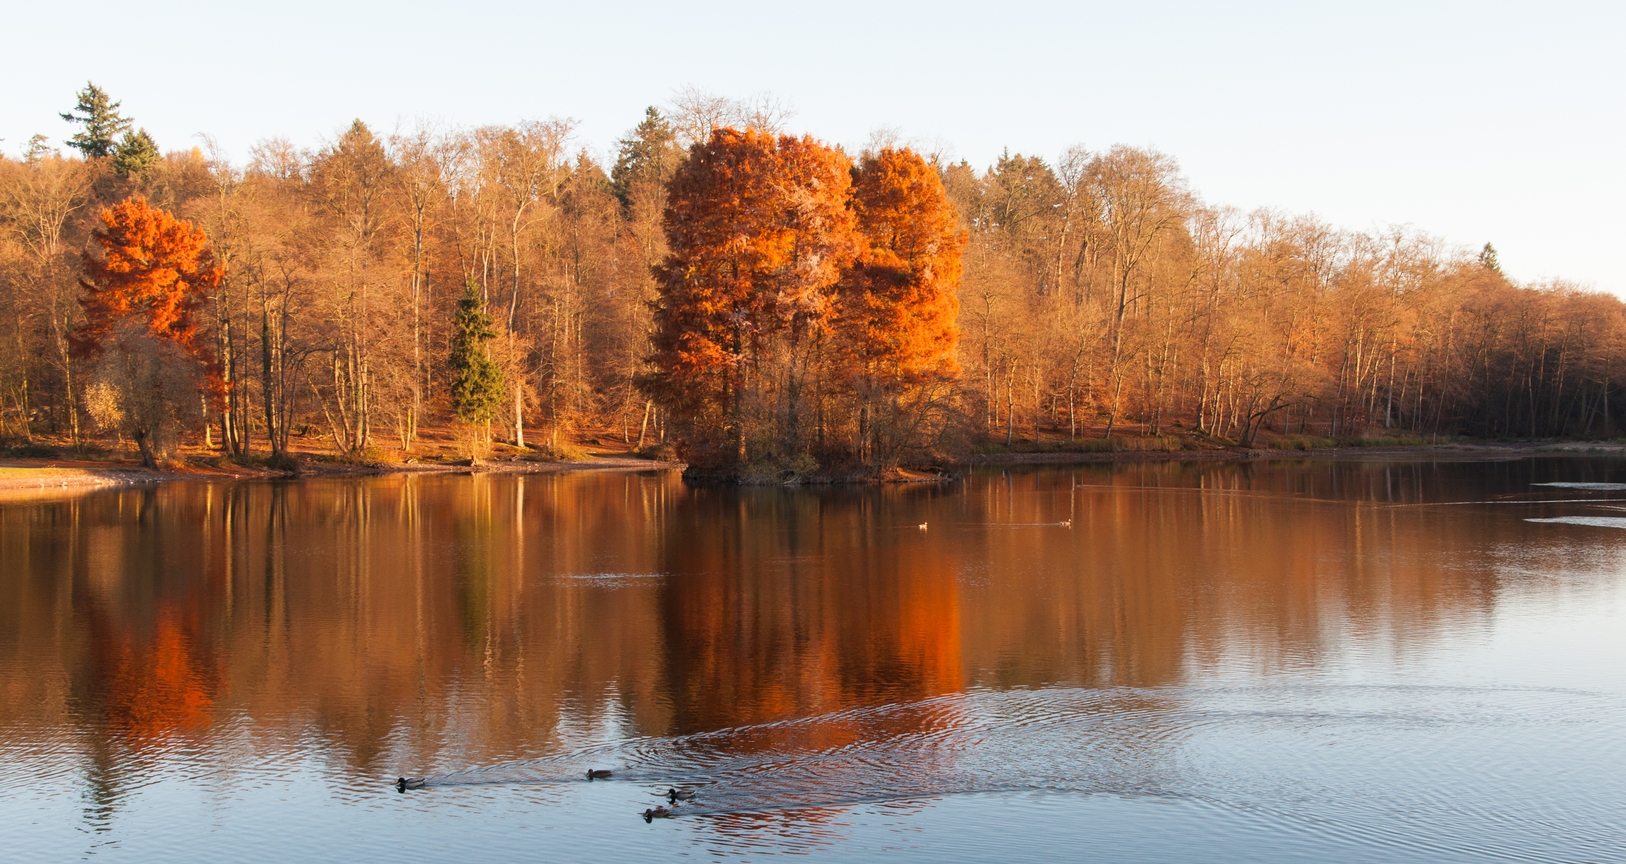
1295, 660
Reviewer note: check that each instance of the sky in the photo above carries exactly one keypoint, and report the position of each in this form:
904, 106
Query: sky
1472, 122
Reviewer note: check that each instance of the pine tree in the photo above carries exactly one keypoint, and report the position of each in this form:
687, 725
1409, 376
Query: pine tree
99, 115
477, 387
1487, 258
136, 152
648, 155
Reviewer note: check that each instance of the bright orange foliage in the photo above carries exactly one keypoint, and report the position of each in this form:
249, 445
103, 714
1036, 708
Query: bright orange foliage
153, 267
899, 303
804, 291
759, 232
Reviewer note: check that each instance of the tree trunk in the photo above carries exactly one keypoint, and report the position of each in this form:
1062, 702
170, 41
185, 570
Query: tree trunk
519, 414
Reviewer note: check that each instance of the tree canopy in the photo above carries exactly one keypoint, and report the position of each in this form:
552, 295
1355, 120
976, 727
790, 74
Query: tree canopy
98, 116
152, 267
802, 295
767, 305
136, 152
759, 232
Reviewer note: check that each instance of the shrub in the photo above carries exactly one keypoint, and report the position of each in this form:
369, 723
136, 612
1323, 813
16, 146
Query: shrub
1302, 442
659, 452
1386, 441
564, 451
372, 454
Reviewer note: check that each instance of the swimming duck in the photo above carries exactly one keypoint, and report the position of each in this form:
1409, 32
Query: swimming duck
676, 795
402, 784
598, 774
654, 813
921, 526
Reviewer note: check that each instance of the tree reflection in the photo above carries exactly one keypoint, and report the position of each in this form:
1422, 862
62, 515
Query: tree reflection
429, 623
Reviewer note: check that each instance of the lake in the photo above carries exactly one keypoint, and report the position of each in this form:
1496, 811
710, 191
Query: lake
1365, 660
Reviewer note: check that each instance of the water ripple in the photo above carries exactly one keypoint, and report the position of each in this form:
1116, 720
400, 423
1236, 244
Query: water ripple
1591, 521
1281, 754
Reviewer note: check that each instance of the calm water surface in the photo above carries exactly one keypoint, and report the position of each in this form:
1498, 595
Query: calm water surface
1291, 661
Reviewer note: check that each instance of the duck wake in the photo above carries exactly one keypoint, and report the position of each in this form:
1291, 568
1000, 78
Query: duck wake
1130, 742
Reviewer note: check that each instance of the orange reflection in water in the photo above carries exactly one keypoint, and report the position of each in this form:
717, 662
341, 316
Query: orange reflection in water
431, 623
155, 687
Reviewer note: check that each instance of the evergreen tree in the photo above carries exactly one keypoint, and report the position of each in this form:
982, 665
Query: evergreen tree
477, 387
99, 115
136, 152
1487, 258
648, 155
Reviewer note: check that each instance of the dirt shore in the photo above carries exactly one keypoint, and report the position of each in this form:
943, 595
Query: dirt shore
33, 478
20, 480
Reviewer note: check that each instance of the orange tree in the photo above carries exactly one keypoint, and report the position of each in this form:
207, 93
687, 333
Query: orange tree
141, 297
898, 305
759, 233
807, 307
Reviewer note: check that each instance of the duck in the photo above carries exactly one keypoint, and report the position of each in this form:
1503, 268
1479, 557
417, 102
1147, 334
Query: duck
1067, 524
921, 526
676, 795
598, 774
402, 784
654, 813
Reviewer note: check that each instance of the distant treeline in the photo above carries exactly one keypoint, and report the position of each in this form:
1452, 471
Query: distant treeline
1097, 296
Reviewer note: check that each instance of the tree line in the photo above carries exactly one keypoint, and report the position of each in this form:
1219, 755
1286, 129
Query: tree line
836, 310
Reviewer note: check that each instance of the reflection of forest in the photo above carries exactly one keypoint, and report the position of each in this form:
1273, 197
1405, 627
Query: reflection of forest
444, 621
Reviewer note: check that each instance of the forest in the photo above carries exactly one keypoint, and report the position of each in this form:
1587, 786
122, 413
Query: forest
739, 297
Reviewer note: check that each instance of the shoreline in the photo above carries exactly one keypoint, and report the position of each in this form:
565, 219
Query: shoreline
1475, 451
31, 478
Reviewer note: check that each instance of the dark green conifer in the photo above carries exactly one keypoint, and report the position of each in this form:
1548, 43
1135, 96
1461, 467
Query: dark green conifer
648, 155
477, 387
136, 152
99, 115
1487, 258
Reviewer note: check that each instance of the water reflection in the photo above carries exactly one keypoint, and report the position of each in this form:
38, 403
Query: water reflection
427, 624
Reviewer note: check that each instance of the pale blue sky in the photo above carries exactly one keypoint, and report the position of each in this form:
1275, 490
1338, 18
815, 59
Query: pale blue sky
1473, 121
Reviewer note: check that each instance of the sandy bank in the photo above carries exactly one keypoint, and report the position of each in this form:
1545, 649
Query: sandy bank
21, 479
